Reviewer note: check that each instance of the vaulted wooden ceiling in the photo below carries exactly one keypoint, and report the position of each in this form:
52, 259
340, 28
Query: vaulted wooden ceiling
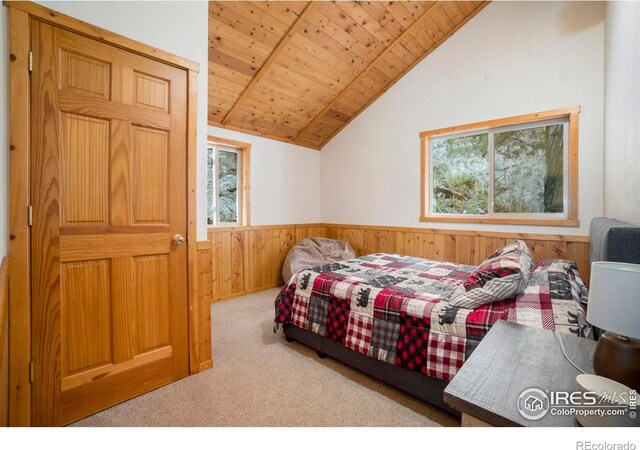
301, 71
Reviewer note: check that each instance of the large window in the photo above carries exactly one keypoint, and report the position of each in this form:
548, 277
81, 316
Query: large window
227, 182
520, 170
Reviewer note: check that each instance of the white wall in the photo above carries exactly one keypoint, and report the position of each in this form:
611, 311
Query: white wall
179, 27
285, 180
512, 58
4, 132
622, 112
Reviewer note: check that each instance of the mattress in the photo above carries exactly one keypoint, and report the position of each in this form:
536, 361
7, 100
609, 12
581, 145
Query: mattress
394, 308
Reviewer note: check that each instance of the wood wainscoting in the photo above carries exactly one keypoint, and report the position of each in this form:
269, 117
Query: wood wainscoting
249, 259
463, 247
4, 342
204, 305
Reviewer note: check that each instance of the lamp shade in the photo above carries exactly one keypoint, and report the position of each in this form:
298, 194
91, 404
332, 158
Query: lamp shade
614, 298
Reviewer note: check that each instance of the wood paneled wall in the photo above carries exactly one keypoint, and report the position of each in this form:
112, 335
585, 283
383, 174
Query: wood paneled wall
463, 247
204, 304
249, 259
4, 343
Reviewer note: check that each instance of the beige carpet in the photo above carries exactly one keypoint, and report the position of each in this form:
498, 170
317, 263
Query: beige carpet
258, 379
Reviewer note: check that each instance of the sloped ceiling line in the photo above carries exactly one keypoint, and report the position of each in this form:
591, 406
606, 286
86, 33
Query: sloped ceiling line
366, 70
299, 71
272, 57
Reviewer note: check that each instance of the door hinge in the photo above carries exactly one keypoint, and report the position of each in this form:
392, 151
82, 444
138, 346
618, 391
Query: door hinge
30, 61
31, 372
30, 215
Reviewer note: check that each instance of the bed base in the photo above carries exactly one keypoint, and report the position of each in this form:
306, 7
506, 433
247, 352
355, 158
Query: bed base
425, 388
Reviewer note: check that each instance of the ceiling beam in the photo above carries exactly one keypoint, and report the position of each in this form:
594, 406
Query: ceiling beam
295, 27
371, 65
415, 63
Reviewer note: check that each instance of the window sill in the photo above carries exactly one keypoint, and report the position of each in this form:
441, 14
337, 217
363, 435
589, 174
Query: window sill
231, 227
504, 221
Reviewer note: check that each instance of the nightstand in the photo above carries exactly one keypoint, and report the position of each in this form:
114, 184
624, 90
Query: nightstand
509, 360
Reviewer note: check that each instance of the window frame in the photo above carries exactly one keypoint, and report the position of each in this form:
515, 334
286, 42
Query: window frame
244, 192
568, 218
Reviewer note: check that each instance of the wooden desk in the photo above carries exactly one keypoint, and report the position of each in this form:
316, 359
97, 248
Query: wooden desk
510, 359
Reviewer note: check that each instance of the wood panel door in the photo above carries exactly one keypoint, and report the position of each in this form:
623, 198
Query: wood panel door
109, 193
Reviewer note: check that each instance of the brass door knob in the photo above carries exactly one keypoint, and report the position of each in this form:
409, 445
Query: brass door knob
178, 239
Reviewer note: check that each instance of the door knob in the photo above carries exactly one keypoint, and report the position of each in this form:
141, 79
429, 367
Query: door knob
178, 239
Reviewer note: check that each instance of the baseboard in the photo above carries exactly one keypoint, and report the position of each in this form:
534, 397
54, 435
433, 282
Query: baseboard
205, 365
240, 294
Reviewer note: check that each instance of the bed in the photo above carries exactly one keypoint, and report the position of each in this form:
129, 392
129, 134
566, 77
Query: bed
389, 315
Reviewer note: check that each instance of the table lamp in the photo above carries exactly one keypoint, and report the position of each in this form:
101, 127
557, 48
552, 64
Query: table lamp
614, 306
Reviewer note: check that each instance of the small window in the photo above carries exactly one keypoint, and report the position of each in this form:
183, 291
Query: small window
519, 170
226, 184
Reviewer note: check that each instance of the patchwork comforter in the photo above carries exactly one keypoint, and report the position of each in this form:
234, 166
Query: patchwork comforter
395, 308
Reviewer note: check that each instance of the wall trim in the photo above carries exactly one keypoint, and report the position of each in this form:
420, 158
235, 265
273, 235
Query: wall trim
205, 286
502, 234
204, 245
482, 233
247, 292
213, 229
260, 134
19, 232
206, 365
4, 342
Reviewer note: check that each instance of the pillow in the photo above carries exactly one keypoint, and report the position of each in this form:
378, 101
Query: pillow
508, 260
501, 276
516, 246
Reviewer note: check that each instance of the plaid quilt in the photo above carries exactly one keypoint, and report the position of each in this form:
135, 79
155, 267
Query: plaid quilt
395, 308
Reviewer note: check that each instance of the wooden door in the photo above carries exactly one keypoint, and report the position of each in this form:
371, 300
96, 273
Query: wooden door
109, 192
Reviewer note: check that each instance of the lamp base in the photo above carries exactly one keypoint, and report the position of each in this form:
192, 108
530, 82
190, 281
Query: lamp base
618, 358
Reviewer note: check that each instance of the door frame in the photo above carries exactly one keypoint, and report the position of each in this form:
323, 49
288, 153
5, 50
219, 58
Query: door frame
20, 16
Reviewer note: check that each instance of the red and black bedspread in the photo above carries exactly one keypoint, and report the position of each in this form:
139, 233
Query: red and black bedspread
395, 308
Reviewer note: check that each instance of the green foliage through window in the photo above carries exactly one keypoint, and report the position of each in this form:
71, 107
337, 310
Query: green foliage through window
460, 175
522, 169
528, 170
223, 184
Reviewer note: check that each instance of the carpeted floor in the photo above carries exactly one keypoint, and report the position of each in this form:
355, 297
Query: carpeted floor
258, 379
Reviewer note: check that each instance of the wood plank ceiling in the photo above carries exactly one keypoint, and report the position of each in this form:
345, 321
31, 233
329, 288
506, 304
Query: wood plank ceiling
299, 72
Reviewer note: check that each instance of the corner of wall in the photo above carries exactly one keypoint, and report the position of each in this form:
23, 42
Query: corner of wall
371, 168
622, 112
